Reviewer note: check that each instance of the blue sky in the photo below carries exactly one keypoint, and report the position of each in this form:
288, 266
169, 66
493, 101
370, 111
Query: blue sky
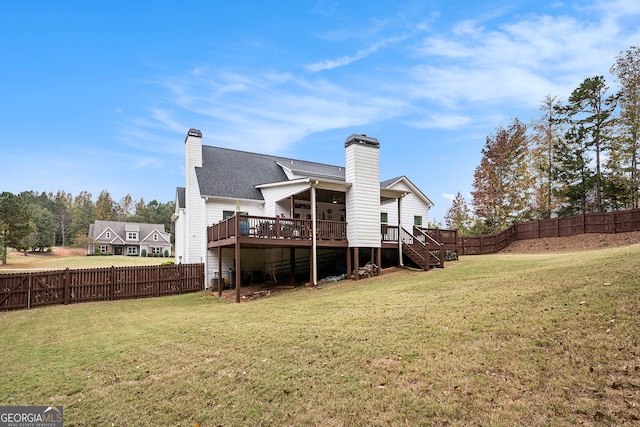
100, 95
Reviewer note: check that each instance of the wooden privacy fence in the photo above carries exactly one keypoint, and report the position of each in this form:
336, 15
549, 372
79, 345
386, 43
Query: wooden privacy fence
608, 222
70, 286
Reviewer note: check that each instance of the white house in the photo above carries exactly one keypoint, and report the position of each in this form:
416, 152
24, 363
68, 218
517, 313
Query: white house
128, 238
254, 217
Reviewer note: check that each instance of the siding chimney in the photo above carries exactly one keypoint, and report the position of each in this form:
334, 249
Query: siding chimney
363, 197
195, 227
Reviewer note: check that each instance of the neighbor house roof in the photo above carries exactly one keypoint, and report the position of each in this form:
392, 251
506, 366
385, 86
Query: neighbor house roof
97, 229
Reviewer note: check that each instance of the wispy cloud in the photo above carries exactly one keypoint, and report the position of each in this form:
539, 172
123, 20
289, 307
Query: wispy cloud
329, 64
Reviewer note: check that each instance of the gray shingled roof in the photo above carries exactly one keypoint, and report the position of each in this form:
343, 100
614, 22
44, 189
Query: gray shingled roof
232, 173
180, 196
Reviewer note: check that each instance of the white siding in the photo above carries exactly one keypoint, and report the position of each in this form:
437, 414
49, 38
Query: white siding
363, 198
273, 195
412, 205
195, 228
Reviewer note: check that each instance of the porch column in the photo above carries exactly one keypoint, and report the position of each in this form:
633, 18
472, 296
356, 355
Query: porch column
220, 280
314, 249
400, 232
348, 263
237, 259
292, 206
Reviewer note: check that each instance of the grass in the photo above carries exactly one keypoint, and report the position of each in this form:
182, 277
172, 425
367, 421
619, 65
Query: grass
16, 261
498, 340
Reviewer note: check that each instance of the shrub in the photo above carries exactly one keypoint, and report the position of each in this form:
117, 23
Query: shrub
166, 253
144, 252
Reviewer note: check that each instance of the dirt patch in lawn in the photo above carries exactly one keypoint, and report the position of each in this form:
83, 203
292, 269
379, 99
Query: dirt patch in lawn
580, 242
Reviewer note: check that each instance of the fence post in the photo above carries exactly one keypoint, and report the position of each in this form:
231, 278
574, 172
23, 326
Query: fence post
67, 285
181, 276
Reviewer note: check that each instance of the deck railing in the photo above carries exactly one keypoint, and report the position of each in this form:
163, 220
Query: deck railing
263, 227
447, 238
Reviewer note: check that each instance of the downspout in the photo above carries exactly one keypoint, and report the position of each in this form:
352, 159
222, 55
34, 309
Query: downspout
313, 233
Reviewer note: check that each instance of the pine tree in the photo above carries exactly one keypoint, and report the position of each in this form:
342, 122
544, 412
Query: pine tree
458, 216
627, 71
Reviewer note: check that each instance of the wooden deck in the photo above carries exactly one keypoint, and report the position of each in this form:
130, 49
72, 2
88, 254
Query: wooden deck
276, 231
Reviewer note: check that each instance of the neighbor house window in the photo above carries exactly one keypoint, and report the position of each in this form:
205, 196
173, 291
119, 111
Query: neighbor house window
108, 234
132, 235
155, 237
103, 249
156, 251
132, 250
417, 220
384, 217
227, 214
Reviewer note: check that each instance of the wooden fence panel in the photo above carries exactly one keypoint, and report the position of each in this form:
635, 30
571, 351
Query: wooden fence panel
599, 223
548, 228
607, 222
627, 221
14, 291
47, 288
26, 290
89, 285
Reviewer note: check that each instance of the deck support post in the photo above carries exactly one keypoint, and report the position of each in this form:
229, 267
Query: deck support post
314, 237
237, 259
292, 265
356, 263
348, 263
220, 279
379, 260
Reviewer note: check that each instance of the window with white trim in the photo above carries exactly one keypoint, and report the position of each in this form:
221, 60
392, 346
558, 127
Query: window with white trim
417, 220
228, 214
132, 250
108, 234
155, 237
156, 251
132, 235
103, 249
384, 217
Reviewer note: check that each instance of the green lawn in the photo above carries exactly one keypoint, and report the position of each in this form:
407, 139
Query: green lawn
16, 261
497, 340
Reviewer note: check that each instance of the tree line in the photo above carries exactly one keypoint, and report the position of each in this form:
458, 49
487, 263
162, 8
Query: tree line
579, 156
36, 221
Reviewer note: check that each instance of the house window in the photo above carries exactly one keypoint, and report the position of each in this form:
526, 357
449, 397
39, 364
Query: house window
132, 250
155, 237
132, 235
227, 214
108, 234
156, 251
384, 217
103, 249
417, 220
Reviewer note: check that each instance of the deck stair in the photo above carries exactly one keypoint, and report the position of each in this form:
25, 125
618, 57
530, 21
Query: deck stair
422, 249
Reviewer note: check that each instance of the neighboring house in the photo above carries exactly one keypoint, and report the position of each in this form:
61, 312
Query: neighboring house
128, 238
253, 217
